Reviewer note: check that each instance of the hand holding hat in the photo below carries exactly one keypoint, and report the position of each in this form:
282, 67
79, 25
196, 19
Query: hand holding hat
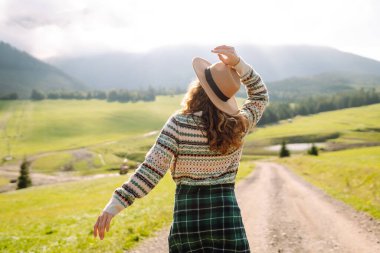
227, 55
220, 80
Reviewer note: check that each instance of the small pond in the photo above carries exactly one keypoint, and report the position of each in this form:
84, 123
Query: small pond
295, 146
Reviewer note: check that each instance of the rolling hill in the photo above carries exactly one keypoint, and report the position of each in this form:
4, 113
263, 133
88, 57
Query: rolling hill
171, 66
20, 73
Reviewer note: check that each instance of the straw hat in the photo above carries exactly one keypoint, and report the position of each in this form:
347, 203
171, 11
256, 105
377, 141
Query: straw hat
220, 82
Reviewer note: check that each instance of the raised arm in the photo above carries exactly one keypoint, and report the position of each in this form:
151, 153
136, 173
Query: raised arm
150, 172
257, 93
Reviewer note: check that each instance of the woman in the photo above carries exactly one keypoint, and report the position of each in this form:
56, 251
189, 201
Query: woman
202, 146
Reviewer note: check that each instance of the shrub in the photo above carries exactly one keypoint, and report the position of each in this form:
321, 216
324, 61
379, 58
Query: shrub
284, 152
24, 179
313, 150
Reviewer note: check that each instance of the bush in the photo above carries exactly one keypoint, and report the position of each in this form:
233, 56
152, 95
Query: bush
24, 179
313, 150
284, 152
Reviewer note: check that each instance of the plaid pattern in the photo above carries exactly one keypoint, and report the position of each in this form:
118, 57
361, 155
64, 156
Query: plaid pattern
207, 218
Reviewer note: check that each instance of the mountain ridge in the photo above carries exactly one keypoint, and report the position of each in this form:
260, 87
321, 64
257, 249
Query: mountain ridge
300, 68
171, 66
21, 73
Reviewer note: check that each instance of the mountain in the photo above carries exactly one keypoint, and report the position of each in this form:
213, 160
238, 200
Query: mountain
20, 73
171, 66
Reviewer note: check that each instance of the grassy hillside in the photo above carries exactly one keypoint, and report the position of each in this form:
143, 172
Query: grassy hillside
40, 126
352, 176
84, 136
352, 125
60, 218
33, 127
98, 134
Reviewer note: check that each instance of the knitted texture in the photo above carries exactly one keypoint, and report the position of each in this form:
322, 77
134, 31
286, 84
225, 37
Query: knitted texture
182, 146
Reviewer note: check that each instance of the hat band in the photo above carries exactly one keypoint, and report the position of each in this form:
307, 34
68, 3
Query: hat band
213, 85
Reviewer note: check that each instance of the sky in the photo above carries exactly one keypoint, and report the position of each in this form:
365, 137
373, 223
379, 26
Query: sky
53, 28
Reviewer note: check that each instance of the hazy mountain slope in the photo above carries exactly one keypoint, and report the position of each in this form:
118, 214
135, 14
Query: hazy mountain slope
20, 72
171, 66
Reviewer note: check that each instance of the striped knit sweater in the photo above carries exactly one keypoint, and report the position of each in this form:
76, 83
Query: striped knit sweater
183, 148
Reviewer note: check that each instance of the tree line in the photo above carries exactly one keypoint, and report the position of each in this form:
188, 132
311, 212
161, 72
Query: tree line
314, 104
120, 95
274, 112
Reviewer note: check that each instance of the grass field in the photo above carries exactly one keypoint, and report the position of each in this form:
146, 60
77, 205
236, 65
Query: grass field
352, 124
339, 129
352, 176
40, 126
32, 127
108, 131
112, 131
60, 218
47, 125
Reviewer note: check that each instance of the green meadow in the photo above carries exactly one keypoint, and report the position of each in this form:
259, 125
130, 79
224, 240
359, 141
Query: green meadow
352, 126
81, 136
352, 175
86, 137
60, 218
91, 137
56, 130
40, 126
348, 123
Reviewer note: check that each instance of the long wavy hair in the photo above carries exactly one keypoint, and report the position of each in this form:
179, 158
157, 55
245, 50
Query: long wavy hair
224, 132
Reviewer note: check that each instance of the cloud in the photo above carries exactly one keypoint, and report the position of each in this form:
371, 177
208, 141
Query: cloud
48, 28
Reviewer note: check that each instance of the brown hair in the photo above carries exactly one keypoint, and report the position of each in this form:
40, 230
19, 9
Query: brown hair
223, 131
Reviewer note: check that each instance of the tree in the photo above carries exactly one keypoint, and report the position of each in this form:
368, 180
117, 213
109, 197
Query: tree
53, 95
284, 152
24, 179
112, 96
10, 96
100, 94
37, 95
313, 150
89, 95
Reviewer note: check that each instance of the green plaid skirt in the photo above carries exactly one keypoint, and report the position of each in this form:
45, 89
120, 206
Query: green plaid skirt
207, 219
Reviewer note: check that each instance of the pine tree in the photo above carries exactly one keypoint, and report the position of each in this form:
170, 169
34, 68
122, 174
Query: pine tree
284, 152
24, 180
313, 150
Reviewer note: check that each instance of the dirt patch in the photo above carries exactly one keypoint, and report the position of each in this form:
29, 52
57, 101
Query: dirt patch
43, 179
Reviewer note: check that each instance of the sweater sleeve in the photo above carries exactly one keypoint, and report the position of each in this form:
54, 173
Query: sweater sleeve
150, 172
258, 97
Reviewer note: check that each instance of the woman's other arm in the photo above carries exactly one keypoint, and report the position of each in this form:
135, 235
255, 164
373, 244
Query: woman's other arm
150, 172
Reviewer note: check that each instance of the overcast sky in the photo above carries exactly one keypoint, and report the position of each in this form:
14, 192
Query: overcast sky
47, 28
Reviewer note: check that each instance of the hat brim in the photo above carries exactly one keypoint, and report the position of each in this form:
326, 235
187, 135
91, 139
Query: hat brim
230, 106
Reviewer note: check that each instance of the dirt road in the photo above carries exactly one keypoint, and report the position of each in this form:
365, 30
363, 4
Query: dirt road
283, 213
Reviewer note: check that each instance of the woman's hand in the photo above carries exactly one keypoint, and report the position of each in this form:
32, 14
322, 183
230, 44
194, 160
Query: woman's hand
227, 55
103, 222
